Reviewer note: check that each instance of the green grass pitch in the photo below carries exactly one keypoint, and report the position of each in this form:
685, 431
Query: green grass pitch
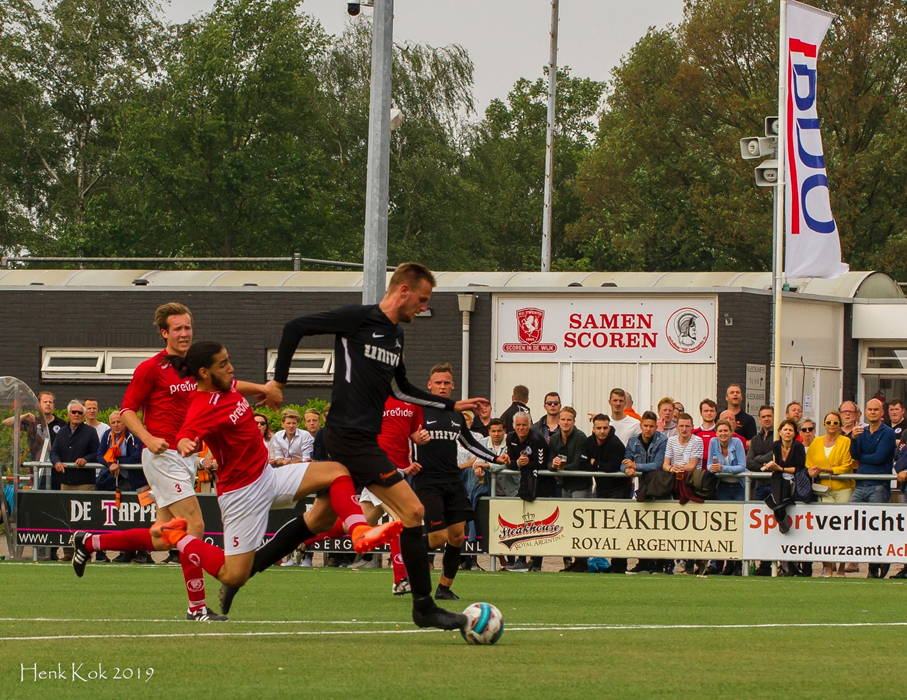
334, 633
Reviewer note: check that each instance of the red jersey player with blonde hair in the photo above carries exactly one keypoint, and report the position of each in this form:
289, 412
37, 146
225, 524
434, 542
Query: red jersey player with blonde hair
247, 488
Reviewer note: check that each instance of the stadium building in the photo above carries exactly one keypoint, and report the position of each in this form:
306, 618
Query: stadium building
684, 335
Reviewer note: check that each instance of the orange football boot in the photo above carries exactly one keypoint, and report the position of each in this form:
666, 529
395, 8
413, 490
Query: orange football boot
366, 538
170, 532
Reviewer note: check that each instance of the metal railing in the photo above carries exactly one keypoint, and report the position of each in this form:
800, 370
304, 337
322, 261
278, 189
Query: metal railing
296, 259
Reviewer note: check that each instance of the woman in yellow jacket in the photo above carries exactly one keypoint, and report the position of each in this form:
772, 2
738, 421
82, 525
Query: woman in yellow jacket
831, 455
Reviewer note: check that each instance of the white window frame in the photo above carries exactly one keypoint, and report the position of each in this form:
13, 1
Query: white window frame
889, 371
305, 375
99, 373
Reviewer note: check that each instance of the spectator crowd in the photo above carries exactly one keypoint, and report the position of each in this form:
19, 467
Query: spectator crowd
658, 454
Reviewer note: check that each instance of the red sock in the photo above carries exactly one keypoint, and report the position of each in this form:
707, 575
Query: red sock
200, 555
336, 531
137, 540
397, 561
345, 503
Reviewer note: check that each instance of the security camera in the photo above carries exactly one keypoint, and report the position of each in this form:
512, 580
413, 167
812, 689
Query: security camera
353, 8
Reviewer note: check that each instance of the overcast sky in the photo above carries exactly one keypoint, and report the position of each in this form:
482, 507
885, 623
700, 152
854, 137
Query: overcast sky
506, 39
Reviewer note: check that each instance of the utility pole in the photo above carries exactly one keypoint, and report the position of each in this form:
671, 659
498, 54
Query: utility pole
547, 213
379, 136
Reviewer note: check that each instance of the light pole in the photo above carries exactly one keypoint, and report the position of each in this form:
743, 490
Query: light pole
378, 171
549, 142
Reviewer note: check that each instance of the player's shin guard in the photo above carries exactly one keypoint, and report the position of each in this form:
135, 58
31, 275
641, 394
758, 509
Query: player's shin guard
192, 575
199, 555
345, 504
285, 540
450, 562
135, 540
397, 561
414, 550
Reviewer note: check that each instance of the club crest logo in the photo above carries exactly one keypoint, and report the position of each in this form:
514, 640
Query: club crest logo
529, 328
515, 535
687, 330
529, 325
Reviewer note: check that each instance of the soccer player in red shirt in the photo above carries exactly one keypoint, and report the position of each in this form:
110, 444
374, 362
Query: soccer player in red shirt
163, 397
247, 487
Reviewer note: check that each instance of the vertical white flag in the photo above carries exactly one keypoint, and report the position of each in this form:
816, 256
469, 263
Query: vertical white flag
813, 248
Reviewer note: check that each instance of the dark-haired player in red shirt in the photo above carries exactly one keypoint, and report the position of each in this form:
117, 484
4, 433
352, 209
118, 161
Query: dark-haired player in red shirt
247, 487
163, 397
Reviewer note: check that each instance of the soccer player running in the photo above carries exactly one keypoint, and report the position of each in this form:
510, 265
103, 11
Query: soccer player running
163, 397
401, 423
439, 485
369, 367
247, 487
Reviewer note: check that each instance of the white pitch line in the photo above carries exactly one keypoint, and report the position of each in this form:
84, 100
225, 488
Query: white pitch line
566, 628
180, 620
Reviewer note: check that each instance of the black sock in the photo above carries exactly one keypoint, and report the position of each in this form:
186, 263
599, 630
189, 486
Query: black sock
450, 562
414, 551
284, 542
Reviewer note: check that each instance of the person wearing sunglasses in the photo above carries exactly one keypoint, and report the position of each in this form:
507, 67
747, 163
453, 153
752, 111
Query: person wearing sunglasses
831, 455
76, 443
807, 432
262, 422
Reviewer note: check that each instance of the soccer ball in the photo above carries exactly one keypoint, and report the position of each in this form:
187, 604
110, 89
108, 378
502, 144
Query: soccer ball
484, 624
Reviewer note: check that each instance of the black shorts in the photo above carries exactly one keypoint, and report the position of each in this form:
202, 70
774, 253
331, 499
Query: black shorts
358, 451
445, 504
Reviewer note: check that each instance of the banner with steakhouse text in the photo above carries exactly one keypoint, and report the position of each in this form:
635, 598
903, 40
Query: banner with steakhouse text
605, 329
848, 532
601, 528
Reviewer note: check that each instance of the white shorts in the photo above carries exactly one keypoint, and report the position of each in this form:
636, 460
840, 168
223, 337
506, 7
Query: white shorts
368, 497
170, 476
244, 512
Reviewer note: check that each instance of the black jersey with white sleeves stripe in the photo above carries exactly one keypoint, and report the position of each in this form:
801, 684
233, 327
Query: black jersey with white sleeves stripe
438, 456
368, 364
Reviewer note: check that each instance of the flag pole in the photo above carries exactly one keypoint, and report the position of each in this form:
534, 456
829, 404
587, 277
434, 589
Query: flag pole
778, 257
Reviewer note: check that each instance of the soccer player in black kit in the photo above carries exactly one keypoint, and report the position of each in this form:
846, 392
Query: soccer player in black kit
368, 354
438, 484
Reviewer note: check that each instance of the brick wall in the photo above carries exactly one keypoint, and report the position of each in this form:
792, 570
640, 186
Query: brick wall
247, 322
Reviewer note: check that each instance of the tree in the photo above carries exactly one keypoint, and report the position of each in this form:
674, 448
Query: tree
504, 171
67, 70
219, 157
433, 89
664, 188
